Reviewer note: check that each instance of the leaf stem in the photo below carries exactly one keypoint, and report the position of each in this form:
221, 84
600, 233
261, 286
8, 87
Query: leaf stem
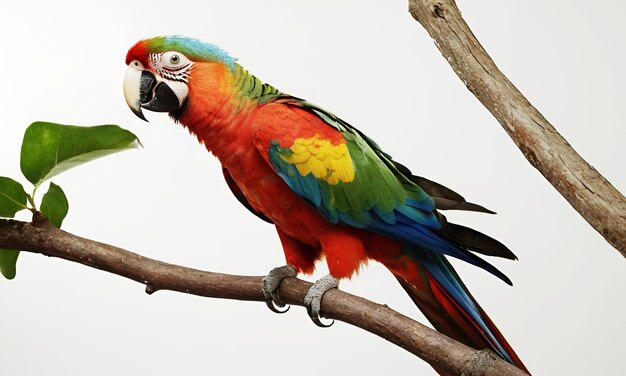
31, 199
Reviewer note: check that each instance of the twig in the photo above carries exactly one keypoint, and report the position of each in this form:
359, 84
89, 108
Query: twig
435, 348
599, 203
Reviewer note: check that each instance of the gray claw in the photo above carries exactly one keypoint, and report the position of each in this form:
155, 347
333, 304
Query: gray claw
313, 298
270, 287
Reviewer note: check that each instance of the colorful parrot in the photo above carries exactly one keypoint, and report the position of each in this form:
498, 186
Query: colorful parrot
329, 190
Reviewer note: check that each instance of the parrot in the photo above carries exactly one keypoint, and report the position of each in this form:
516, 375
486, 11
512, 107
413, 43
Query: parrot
330, 191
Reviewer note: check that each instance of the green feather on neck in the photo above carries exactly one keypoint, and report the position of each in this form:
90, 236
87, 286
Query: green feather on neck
251, 87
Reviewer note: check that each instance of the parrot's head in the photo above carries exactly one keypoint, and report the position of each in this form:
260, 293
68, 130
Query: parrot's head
160, 69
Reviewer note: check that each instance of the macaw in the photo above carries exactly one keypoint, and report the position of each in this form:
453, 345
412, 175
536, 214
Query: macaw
329, 190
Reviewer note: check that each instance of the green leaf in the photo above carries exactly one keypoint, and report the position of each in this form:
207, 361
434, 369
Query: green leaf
8, 258
49, 149
12, 197
12, 200
54, 205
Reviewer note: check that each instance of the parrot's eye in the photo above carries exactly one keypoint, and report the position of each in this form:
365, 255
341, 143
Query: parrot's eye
173, 60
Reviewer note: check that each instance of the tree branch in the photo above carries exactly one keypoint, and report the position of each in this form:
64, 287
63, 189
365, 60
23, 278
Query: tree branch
435, 348
600, 204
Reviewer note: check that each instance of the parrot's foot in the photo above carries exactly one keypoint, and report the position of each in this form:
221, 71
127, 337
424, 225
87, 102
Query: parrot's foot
313, 298
270, 287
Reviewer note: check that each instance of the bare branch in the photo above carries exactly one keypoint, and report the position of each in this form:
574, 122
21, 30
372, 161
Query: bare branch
602, 206
435, 348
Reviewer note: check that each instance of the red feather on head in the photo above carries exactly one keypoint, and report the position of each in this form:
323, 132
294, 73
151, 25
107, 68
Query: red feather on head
138, 52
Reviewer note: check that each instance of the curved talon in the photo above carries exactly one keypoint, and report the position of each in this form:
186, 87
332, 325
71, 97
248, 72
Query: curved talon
270, 292
313, 298
270, 287
317, 320
273, 308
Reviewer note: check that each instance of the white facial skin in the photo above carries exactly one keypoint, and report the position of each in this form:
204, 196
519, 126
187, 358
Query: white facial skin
172, 68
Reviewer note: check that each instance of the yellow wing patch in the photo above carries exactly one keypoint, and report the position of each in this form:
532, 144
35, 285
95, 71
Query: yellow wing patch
321, 158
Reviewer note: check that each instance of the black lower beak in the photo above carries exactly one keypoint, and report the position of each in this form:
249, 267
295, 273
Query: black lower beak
156, 96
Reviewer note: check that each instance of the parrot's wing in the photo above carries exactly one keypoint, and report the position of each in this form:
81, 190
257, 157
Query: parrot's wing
351, 181
240, 196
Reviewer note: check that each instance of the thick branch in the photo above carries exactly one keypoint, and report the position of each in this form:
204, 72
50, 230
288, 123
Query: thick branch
434, 347
603, 206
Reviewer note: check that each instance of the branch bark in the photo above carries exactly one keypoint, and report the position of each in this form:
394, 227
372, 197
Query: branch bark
599, 203
435, 348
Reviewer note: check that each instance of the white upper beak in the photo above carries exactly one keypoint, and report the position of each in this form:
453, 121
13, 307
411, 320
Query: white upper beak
132, 84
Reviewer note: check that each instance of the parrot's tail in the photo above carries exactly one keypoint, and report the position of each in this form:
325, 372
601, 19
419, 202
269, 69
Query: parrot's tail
440, 294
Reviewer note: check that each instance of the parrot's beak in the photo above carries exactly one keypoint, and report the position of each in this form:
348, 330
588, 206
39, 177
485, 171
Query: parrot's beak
142, 89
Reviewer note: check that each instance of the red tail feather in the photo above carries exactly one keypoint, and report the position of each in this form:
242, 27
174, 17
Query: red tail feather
448, 317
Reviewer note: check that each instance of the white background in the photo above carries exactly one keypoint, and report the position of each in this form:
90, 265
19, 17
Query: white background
373, 65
